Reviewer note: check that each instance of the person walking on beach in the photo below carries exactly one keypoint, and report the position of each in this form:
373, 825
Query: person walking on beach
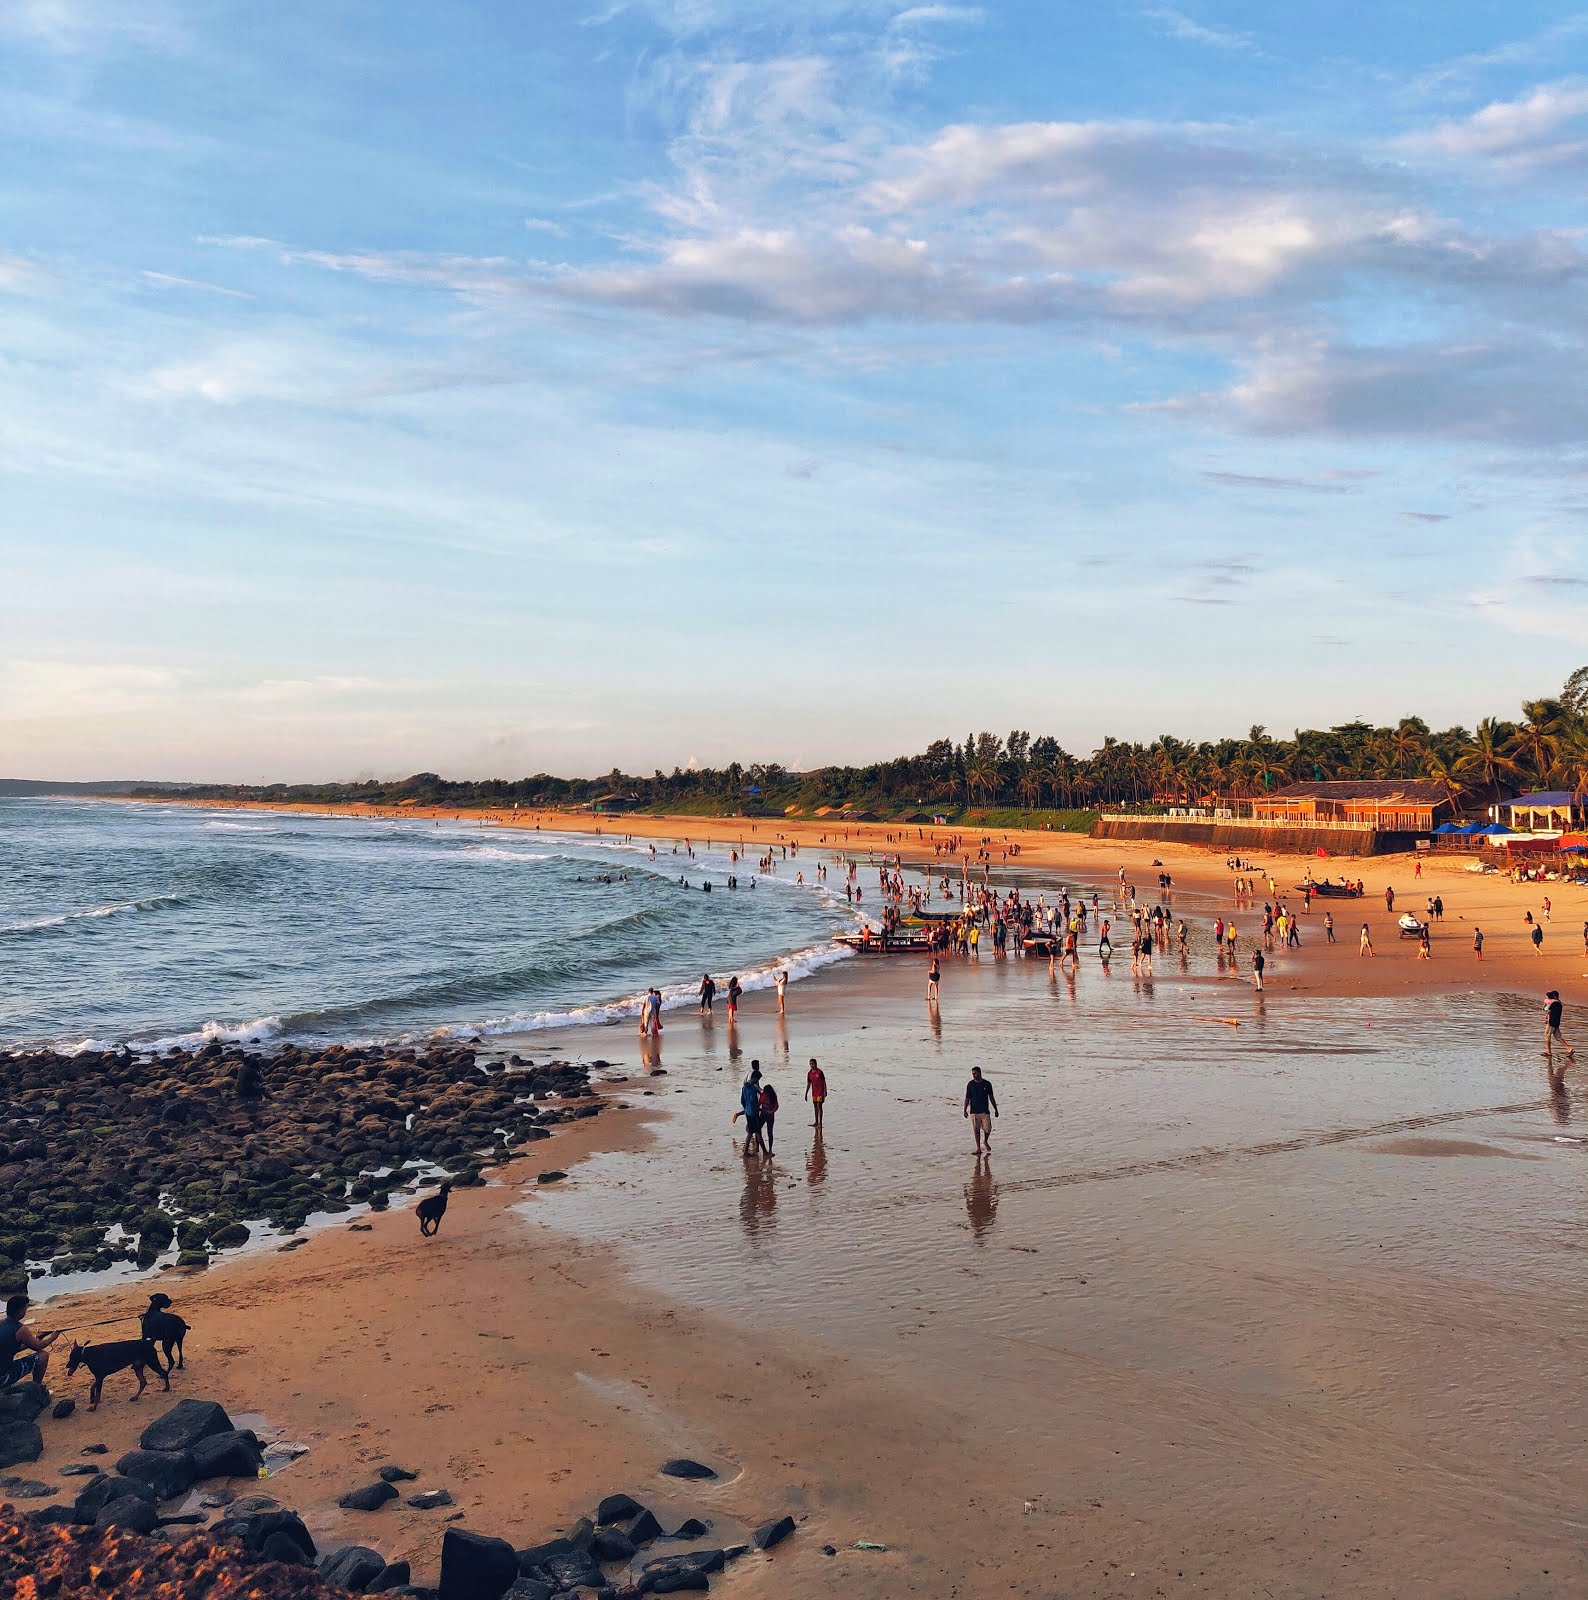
1389, 899
980, 1106
734, 991
768, 1115
1477, 944
782, 989
933, 973
1328, 927
708, 992
1258, 963
750, 1110
1365, 948
816, 1091
1552, 1033
1537, 936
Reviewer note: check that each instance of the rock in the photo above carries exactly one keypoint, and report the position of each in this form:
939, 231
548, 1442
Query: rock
228, 1455
193, 1258
24, 1402
270, 1533
63, 1408
694, 1528
370, 1498
95, 1496
683, 1467
528, 1589
353, 1567
551, 1177
56, 1515
28, 1488
126, 1511
395, 1576
284, 1548
576, 1570
185, 1424
79, 1469
535, 1557
612, 1545
249, 1505
429, 1499
773, 1533
474, 1566
829, 1550
184, 1519
94, 1450
644, 1528
617, 1508
217, 1499
675, 1574
19, 1442
397, 1475
168, 1472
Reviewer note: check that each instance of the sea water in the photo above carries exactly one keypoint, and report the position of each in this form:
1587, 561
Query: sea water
172, 924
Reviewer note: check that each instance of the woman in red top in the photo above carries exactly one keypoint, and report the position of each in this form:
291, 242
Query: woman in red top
816, 1089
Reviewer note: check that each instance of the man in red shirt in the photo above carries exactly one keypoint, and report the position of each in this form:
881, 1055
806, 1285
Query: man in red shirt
816, 1089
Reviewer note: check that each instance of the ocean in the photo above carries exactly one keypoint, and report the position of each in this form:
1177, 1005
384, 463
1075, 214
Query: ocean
159, 925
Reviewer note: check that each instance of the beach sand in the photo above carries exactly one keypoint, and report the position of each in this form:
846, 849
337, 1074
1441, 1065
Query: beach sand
1293, 1307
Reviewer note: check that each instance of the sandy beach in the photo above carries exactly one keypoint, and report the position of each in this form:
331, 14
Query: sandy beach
1272, 1295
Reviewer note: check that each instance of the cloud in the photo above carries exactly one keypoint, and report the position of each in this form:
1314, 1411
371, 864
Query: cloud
1555, 580
1425, 516
19, 275
1250, 480
43, 688
1520, 132
166, 280
1179, 26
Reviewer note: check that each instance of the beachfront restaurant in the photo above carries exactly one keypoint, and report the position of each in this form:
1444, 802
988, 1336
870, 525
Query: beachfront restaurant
1394, 805
1547, 811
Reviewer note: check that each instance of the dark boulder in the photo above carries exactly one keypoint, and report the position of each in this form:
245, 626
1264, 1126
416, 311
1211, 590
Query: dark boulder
24, 1402
611, 1544
429, 1499
126, 1511
95, 1496
63, 1408
185, 1424
353, 1567
28, 1488
228, 1455
168, 1472
370, 1498
617, 1508
576, 1570
773, 1533
474, 1566
269, 1532
397, 1475
19, 1442
683, 1467
529, 1589
395, 1576
694, 1528
644, 1528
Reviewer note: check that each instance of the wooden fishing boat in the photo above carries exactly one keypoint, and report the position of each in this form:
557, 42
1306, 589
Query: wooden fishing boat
894, 946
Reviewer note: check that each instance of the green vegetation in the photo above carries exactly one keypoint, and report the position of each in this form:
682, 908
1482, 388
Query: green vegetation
1021, 781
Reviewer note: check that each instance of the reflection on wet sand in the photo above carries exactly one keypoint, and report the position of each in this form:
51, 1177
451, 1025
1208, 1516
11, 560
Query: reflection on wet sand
981, 1199
816, 1160
758, 1202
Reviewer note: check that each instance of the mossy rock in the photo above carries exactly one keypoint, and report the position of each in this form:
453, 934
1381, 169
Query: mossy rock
193, 1258
229, 1235
86, 1240
14, 1247
13, 1280
156, 1229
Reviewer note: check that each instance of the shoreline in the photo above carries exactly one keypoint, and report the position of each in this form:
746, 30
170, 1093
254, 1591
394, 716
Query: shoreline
1489, 901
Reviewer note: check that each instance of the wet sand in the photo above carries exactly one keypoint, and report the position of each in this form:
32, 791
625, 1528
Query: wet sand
1291, 1308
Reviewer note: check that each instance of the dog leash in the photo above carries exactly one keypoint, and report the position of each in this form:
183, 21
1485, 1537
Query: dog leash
77, 1327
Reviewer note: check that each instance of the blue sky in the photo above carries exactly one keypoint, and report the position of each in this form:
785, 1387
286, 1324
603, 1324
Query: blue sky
493, 387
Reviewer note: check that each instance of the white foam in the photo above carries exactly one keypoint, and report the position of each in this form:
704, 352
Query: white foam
113, 909
259, 1031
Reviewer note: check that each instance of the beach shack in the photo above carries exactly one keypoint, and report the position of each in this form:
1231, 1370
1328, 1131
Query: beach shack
1387, 805
1546, 811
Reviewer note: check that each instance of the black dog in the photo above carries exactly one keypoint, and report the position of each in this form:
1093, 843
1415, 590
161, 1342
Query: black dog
104, 1359
161, 1325
432, 1209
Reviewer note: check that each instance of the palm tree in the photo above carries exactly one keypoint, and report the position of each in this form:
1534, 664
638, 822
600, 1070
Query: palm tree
1488, 757
1407, 742
1445, 774
1538, 740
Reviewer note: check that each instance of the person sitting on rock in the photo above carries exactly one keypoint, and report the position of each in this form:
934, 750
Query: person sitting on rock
23, 1353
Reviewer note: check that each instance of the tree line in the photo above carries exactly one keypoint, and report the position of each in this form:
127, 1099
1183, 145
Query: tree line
1545, 748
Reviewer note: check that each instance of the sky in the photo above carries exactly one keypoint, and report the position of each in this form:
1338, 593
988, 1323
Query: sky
545, 385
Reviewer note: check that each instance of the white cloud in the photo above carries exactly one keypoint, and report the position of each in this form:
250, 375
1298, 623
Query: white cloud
41, 688
1517, 132
1179, 26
